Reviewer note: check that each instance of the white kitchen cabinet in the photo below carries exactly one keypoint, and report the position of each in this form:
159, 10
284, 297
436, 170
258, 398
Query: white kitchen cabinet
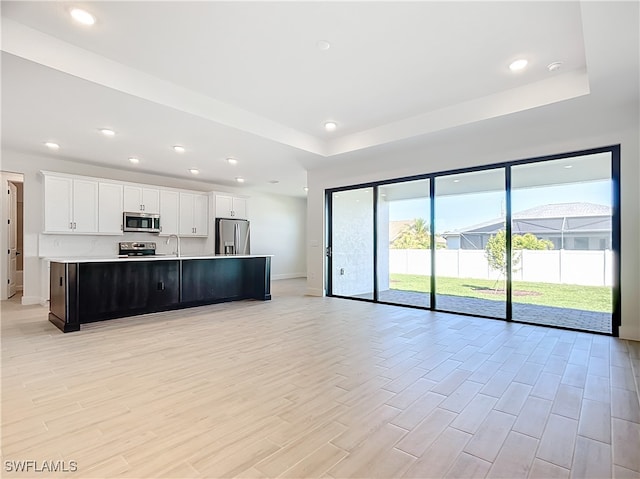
228, 206
169, 211
110, 210
193, 217
70, 205
141, 198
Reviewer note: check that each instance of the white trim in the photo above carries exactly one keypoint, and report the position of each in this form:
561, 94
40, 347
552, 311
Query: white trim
277, 277
29, 300
632, 334
315, 292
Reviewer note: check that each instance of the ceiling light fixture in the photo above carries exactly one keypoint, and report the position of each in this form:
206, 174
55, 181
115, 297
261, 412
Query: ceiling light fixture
194, 171
178, 149
133, 160
306, 188
51, 145
107, 132
456, 181
82, 16
232, 161
568, 166
323, 45
239, 179
518, 65
330, 126
552, 67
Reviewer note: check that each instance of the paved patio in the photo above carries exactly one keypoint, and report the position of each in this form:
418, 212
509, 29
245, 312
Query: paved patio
528, 313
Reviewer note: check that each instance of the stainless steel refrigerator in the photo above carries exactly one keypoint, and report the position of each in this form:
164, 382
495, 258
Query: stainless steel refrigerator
232, 236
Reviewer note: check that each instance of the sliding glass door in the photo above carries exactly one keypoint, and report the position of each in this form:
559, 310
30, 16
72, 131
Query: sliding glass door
562, 255
534, 241
470, 218
404, 243
352, 243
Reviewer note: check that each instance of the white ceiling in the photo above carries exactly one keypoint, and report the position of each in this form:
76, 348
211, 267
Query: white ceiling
246, 79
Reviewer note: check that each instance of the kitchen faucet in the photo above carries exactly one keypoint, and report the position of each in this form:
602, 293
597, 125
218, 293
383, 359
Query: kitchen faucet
177, 243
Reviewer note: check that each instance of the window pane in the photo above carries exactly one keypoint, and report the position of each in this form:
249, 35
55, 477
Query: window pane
469, 217
352, 243
404, 243
561, 227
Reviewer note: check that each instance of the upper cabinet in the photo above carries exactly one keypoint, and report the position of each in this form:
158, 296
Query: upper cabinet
70, 205
141, 198
82, 205
110, 208
228, 206
194, 214
169, 212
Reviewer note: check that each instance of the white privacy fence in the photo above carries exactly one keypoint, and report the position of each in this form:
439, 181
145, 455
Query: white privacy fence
589, 268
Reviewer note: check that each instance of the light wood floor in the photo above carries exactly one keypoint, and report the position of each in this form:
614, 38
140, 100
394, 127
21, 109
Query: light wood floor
316, 387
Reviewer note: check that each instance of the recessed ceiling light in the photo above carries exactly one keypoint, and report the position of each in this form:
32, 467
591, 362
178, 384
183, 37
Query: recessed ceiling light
239, 179
518, 65
306, 188
52, 145
107, 132
323, 45
134, 160
456, 181
194, 171
232, 161
178, 149
330, 126
568, 166
552, 67
82, 16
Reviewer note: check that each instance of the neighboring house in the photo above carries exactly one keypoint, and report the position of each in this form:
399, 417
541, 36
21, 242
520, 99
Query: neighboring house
571, 226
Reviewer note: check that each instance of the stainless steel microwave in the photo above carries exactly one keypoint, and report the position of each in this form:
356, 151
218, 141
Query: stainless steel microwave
145, 222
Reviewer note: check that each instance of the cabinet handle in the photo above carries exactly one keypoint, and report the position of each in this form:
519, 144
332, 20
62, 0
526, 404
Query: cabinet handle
121, 227
71, 225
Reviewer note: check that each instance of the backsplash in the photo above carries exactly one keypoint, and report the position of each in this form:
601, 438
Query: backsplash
54, 246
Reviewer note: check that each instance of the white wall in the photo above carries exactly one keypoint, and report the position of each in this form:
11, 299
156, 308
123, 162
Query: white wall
264, 210
278, 228
549, 130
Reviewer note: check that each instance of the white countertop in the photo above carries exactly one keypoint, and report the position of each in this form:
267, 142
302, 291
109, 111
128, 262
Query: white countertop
119, 259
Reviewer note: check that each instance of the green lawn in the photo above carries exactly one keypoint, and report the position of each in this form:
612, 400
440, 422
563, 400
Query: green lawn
586, 298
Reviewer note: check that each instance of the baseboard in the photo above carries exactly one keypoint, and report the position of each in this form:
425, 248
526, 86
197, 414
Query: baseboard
632, 334
315, 292
29, 300
277, 277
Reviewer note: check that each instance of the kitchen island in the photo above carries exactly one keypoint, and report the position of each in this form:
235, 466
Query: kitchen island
84, 290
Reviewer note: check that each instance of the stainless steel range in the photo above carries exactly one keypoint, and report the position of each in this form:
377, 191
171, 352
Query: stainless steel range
133, 248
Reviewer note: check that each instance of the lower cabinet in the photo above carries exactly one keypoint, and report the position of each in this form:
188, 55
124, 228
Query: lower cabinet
204, 280
107, 290
93, 291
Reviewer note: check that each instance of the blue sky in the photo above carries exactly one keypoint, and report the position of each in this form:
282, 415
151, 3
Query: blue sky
454, 212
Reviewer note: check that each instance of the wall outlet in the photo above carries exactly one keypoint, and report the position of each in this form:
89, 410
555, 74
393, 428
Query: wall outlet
341, 271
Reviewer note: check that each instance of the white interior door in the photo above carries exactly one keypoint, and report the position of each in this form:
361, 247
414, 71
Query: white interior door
12, 239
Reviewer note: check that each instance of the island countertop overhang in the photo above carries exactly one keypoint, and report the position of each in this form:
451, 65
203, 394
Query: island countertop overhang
158, 257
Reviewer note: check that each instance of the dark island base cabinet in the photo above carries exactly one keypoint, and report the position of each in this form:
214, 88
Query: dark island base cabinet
205, 281
88, 292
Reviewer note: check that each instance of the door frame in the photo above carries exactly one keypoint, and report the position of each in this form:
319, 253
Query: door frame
614, 150
5, 178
